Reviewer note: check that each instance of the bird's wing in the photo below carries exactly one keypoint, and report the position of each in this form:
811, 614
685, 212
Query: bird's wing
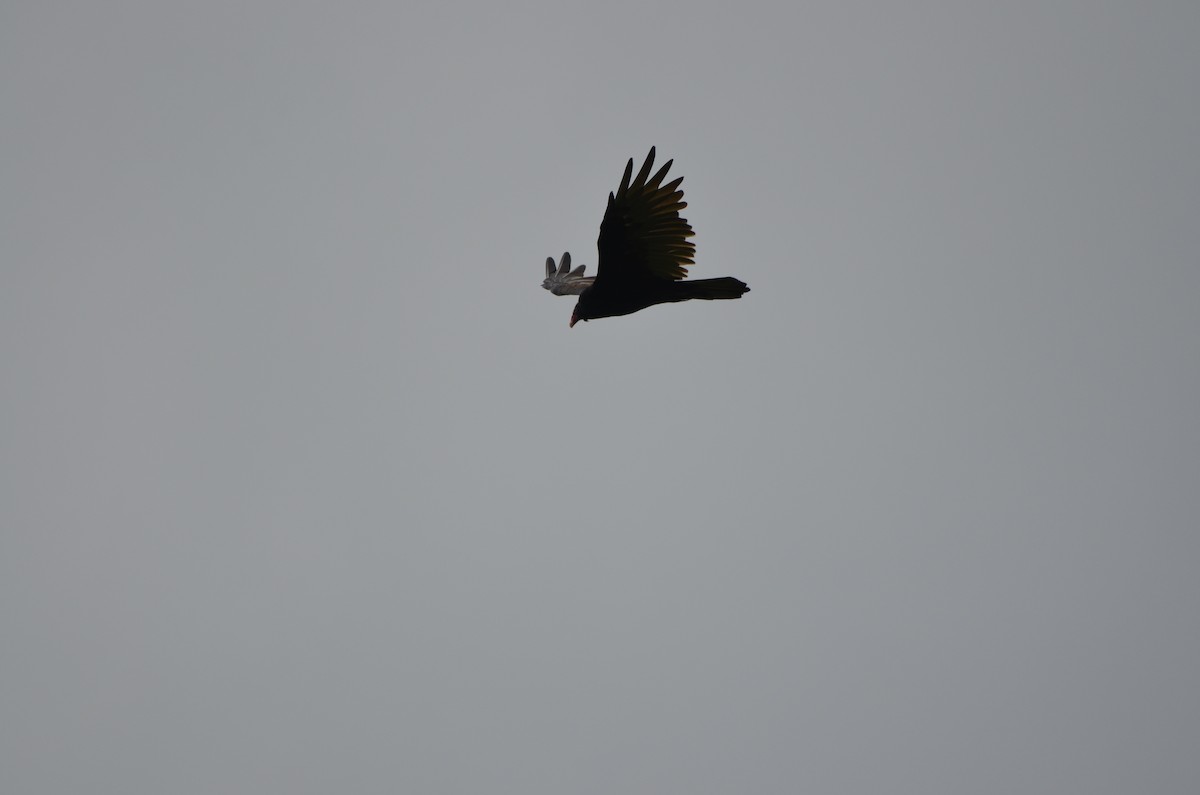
564, 281
642, 236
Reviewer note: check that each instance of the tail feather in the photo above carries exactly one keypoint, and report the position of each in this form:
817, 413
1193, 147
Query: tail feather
710, 289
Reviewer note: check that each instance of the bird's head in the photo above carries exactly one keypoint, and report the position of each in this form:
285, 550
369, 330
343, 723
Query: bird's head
583, 308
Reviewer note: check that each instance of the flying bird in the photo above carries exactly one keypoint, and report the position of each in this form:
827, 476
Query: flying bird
644, 253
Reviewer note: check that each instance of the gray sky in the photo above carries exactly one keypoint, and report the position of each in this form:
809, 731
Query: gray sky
306, 487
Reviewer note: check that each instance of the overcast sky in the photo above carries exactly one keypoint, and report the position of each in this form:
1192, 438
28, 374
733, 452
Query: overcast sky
306, 486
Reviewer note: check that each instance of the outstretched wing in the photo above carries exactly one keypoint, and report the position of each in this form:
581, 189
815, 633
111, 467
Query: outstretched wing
564, 281
642, 236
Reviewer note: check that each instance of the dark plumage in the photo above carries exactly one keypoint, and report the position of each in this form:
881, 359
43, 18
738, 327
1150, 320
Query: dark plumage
645, 251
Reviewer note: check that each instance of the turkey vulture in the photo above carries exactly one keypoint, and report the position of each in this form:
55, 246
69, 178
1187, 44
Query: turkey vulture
644, 253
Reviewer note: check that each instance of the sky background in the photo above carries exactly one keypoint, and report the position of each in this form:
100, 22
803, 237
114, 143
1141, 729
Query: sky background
306, 487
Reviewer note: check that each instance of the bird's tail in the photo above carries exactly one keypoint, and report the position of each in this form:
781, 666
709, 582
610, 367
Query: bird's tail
711, 289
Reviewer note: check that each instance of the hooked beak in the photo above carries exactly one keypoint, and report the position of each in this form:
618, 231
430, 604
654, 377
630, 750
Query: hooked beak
574, 320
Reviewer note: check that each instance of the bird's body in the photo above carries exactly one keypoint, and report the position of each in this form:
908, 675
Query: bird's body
645, 252
596, 301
